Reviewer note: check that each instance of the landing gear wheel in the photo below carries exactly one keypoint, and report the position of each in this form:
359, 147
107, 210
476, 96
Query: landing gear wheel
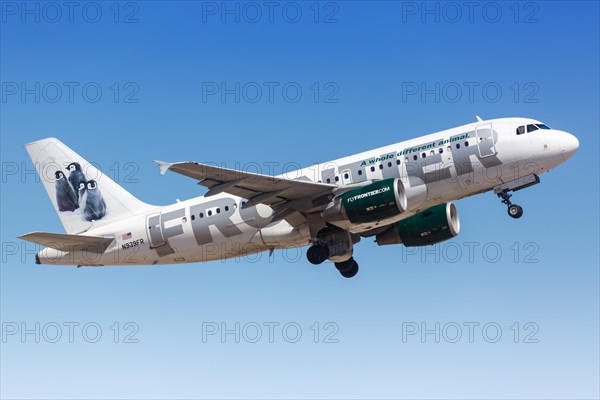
352, 272
515, 211
317, 253
347, 268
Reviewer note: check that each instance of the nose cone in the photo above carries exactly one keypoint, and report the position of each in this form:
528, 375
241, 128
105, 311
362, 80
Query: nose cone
570, 144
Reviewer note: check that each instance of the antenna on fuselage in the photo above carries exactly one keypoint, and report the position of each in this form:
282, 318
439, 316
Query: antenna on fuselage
478, 118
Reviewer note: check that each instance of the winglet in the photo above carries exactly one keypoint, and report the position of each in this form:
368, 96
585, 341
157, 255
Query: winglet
478, 118
164, 166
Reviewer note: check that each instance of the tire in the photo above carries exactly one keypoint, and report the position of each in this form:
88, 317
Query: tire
345, 266
317, 254
515, 211
352, 272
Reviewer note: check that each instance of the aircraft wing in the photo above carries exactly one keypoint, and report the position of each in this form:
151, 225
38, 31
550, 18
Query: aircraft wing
257, 188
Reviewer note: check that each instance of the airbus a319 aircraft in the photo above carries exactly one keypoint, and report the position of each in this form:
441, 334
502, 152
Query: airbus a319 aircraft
398, 194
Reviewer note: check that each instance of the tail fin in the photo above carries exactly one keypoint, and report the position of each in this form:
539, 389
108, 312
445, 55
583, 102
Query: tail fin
81, 194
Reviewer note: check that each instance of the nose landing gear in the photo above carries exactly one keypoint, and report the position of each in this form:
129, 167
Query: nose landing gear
503, 190
514, 210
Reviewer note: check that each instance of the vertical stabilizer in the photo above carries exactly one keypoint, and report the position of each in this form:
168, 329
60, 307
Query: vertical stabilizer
81, 194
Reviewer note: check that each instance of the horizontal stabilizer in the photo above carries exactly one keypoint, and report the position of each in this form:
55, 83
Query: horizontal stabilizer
68, 243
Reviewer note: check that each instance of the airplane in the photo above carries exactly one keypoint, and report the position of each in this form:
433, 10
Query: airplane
403, 193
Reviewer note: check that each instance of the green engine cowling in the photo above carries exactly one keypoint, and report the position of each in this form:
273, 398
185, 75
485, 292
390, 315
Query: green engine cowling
375, 202
431, 226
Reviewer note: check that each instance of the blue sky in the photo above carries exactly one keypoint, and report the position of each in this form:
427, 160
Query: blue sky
128, 83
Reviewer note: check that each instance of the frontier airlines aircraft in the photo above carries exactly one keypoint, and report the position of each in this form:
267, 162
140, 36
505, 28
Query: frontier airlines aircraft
398, 194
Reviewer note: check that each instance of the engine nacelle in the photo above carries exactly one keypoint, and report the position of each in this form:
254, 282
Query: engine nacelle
380, 201
377, 204
431, 226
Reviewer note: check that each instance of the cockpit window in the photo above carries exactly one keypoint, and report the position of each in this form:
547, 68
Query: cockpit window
530, 128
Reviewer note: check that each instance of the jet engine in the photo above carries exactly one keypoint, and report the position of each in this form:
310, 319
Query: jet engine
376, 204
431, 226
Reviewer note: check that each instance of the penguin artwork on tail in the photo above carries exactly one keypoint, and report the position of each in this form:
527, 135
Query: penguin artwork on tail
95, 208
81, 192
66, 197
75, 175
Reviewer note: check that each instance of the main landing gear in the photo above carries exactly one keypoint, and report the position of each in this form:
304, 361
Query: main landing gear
514, 210
347, 268
319, 252
336, 245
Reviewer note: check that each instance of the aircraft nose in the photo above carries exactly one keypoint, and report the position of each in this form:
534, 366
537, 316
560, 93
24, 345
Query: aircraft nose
570, 144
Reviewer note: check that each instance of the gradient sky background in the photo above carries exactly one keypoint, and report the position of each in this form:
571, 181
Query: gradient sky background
367, 53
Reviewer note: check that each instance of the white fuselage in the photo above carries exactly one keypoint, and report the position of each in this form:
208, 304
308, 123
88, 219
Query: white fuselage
453, 164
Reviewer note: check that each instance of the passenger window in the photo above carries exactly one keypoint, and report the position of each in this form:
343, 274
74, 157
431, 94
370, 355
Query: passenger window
458, 145
209, 213
467, 143
360, 171
441, 150
380, 166
193, 217
226, 208
423, 155
328, 180
372, 169
337, 178
390, 164
520, 130
415, 157
201, 215
346, 175
397, 162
